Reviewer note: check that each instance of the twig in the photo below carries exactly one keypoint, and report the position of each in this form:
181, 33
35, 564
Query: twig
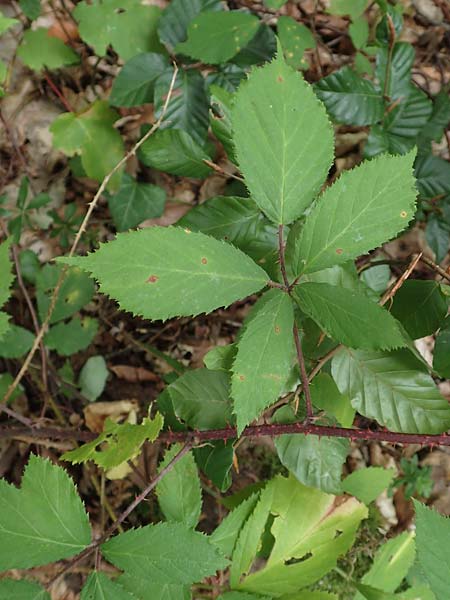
390, 293
58, 92
218, 169
80, 232
153, 483
435, 267
303, 375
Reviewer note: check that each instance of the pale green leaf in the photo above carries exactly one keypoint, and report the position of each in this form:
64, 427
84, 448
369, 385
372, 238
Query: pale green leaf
100, 587
264, 357
348, 316
215, 37
179, 492
188, 108
135, 83
167, 552
340, 226
391, 564
200, 398
102, 23
76, 291
120, 442
21, 590
69, 338
227, 532
177, 16
162, 272
39, 50
353, 8
392, 388
433, 551
6, 23
306, 542
93, 377
359, 32
7, 277
326, 396
284, 141
135, 202
220, 358
16, 342
420, 306
88, 134
315, 461
368, 483
295, 38
240, 222
370, 593
174, 151
241, 596
350, 98
46, 514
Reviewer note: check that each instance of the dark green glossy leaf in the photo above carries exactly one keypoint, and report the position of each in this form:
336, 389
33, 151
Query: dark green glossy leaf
433, 176
350, 98
441, 355
135, 83
396, 81
215, 460
220, 118
420, 306
260, 49
175, 19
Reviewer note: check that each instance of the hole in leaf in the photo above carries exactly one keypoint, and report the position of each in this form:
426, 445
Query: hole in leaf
296, 561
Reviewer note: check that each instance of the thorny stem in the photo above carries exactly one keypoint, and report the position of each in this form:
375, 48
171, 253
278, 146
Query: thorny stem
74, 247
153, 483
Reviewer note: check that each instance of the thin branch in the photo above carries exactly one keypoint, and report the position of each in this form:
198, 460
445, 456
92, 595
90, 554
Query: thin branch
303, 375
80, 232
436, 268
390, 293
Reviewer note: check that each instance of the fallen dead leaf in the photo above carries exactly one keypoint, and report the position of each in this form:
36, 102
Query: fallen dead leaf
95, 414
133, 374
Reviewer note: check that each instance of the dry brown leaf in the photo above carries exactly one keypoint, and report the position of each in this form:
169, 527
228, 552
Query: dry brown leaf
96, 413
133, 374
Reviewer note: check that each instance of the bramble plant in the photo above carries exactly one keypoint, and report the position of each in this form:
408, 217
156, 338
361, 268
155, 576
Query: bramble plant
325, 355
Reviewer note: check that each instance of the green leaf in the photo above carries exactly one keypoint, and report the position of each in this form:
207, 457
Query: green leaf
46, 514
359, 32
177, 16
437, 234
441, 353
69, 338
163, 553
391, 564
306, 544
227, 77
6, 380
102, 23
179, 492
135, 202
348, 316
260, 49
315, 461
433, 553
241, 596
188, 108
220, 358
392, 388
326, 396
76, 291
31, 8
39, 50
395, 82
22, 590
200, 398
175, 152
227, 532
220, 118
171, 272
264, 357
367, 484
269, 129
420, 306
340, 226
295, 38
88, 134
215, 37
371, 593
240, 222
93, 377
349, 98
376, 278
144, 589
135, 83
99, 587
438, 121
216, 460
7, 277
16, 342
353, 8
6, 23
120, 442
